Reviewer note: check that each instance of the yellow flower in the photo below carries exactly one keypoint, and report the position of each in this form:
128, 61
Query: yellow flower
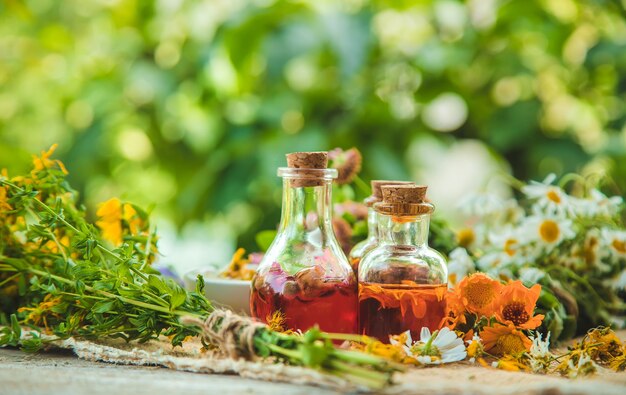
511, 364
112, 215
504, 340
618, 362
37, 315
393, 352
4, 204
276, 322
475, 348
44, 162
466, 237
110, 220
603, 344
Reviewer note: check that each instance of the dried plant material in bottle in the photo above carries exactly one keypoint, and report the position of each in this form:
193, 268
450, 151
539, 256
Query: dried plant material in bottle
402, 282
388, 309
305, 275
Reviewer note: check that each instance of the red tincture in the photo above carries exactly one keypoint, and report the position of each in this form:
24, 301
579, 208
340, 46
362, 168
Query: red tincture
306, 299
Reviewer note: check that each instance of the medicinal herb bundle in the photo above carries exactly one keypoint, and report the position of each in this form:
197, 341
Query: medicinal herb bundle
63, 276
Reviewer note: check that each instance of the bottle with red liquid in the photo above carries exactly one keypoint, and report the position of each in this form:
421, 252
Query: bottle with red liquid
363, 247
402, 281
305, 275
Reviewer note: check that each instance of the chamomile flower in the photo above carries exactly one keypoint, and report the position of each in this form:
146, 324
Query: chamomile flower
615, 240
459, 265
442, 346
599, 205
475, 348
508, 248
619, 282
549, 199
481, 205
548, 231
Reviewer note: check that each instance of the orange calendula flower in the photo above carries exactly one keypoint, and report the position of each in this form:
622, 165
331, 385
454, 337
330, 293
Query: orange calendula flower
455, 311
504, 340
44, 162
478, 293
516, 305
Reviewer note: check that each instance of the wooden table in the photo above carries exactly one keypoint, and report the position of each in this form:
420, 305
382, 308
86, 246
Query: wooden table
61, 373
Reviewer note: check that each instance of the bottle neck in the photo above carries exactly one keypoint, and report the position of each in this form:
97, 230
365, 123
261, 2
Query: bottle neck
306, 209
403, 230
372, 223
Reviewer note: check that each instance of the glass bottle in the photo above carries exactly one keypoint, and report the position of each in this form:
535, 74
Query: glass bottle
305, 275
402, 282
363, 247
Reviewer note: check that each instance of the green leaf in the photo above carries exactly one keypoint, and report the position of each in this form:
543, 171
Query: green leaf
200, 284
178, 297
103, 306
15, 325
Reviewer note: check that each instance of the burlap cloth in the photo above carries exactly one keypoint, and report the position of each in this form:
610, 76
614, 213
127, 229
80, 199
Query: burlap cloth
458, 378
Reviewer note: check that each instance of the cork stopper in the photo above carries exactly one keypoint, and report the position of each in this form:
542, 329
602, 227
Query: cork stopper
404, 200
377, 193
404, 194
309, 165
308, 160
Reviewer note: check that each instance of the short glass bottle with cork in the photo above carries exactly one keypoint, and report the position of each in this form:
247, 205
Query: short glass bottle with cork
402, 281
305, 276
363, 247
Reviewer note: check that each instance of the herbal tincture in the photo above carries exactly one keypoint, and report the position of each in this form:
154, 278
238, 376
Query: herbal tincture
305, 275
402, 282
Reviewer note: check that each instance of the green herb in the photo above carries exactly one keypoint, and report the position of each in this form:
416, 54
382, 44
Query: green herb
63, 276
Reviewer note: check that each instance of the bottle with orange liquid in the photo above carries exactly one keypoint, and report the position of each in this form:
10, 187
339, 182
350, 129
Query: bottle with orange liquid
402, 281
305, 275
363, 247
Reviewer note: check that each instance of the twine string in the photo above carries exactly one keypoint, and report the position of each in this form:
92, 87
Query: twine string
230, 332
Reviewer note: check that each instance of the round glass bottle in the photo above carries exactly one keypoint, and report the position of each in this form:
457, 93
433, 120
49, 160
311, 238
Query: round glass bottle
363, 247
305, 275
402, 282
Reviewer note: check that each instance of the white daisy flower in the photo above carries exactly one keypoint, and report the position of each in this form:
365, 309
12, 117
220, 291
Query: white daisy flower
619, 282
599, 205
508, 247
443, 346
459, 265
548, 231
481, 205
550, 199
615, 240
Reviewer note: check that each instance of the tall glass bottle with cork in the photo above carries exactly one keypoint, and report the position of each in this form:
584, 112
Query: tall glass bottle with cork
305, 276
363, 247
402, 281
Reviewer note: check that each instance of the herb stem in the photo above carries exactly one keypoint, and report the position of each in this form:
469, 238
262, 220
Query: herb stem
9, 279
124, 299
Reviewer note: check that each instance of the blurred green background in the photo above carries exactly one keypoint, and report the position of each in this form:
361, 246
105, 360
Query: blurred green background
190, 105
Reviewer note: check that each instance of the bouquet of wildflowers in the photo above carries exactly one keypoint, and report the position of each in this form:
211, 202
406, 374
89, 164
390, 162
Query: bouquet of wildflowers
573, 244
